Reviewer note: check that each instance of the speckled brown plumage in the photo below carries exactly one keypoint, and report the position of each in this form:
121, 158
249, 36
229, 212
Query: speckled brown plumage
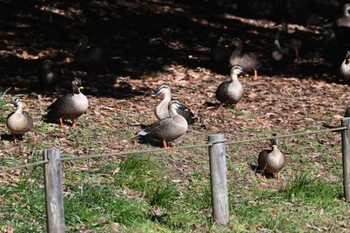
19, 122
162, 109
248, 61
231, 92
70, 106
271, 161
165, 130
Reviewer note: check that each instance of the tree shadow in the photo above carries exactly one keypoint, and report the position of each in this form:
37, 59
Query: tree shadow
147, 36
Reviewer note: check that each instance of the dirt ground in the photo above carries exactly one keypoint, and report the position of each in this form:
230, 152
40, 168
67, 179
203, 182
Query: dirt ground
169, 42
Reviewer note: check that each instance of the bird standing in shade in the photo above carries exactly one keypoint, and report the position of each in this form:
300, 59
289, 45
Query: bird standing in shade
345, 67
49, 75
344, 19
248, 61
92, 57
20, 122
70, 106
220, 55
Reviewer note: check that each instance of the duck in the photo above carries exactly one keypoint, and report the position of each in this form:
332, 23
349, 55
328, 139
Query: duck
20, 122
287, 40
248, 61
49, 75
280, 56
271, 161
91, 56
344, 19
220, 55
167, 129
162, 109
347, 112
70, 106
345, 67
342, 26
231, 92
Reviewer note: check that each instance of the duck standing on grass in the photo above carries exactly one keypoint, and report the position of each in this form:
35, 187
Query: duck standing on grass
70, 106
165, 130
19, 122
271, 161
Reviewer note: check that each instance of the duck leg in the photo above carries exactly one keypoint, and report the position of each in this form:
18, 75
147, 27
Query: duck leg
278, 176
14, 138
255, 75
34, 137
73, 123
61, 123
165, 144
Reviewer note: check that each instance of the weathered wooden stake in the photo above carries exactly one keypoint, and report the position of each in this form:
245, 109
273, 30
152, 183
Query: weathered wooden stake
346, 157
53, 191
217, 159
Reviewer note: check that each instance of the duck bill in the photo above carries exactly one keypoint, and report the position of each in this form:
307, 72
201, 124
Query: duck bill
157, 93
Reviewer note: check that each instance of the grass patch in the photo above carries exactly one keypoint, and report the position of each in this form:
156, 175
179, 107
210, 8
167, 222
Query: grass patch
309, 188
25, 204
145, 177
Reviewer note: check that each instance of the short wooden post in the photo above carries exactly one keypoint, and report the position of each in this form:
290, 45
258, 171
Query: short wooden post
217, 159
346, 157
53, 191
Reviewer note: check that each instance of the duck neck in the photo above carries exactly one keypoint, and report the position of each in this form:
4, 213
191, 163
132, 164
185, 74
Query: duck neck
76, 90
234, 77
172, 110
238, 49
274, 148
19, 108
167, 96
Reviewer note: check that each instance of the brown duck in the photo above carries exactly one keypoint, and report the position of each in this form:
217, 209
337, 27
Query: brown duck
231, 92
162, 109
19, 122
70, 106
271, 161
168, 129
248, 61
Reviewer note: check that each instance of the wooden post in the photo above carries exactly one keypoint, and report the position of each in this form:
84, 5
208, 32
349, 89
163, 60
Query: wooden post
53, 191
217, 159
345, 135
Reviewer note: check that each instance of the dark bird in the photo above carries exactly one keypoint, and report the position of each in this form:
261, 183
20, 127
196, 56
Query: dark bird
92, 57
220, 55
49, 75
248, 61
280, 56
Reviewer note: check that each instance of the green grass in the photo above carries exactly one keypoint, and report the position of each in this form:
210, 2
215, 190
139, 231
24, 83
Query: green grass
170, 191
